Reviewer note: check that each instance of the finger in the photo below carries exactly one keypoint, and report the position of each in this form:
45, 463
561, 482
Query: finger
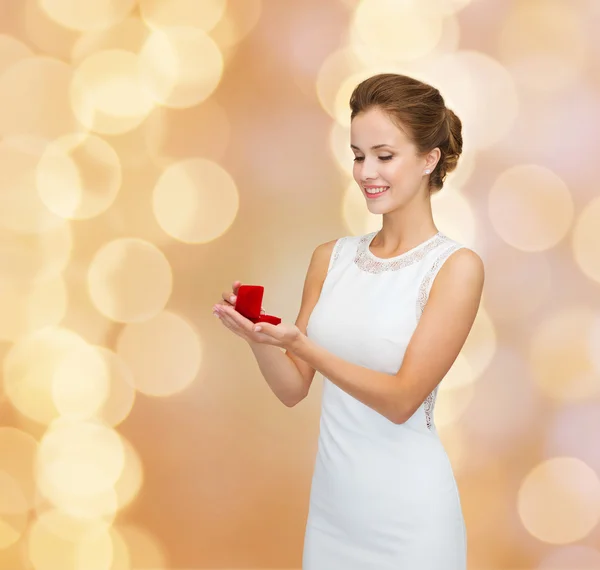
235, 287
265, 328
241, 322
227, 296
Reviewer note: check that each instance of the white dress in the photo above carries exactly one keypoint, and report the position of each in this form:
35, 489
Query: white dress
383, 495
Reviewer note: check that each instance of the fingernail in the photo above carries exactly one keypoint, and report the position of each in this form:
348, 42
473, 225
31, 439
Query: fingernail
232, 299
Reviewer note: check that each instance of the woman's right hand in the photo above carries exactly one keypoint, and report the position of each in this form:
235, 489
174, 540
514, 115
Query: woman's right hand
238, 324
229, 297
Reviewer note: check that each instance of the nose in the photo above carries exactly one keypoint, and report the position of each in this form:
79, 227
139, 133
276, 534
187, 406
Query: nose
368, 170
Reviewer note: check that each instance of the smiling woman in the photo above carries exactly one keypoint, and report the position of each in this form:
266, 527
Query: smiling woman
383, 318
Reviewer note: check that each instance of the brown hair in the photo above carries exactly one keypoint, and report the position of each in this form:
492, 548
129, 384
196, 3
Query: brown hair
420, 111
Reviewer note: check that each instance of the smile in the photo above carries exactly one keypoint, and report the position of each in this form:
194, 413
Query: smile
375, 191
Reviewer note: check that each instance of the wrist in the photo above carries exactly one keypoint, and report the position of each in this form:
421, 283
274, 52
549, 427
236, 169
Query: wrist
298, 345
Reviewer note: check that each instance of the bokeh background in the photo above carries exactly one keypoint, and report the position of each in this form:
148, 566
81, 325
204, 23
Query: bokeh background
154, 151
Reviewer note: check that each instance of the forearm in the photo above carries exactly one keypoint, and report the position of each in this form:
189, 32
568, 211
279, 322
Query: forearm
280, 373
377, 390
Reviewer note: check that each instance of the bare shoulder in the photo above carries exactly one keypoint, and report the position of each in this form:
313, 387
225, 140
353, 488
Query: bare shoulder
322, 253
465, 263
317, 268
462, 274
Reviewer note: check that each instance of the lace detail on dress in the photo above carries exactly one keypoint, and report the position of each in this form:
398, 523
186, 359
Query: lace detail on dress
422, 297
428, 406
366, 261
426, 282
335, 253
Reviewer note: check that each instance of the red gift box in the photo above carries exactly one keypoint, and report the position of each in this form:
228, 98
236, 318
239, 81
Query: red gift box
248, 303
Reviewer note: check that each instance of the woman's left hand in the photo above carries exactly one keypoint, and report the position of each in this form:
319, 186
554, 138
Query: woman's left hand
281, 335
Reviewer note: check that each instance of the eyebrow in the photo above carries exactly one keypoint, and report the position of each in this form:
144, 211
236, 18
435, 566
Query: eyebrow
373, 147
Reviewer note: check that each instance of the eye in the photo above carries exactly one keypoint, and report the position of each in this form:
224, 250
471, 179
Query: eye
386, 157
359, 158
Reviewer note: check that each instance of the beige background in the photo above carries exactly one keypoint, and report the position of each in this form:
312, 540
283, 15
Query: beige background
153, 152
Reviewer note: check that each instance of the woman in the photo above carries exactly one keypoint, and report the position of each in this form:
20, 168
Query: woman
383, 318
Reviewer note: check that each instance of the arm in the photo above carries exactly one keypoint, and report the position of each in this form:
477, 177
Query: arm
287, 375
434, 346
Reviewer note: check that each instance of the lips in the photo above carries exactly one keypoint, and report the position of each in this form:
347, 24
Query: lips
375, 191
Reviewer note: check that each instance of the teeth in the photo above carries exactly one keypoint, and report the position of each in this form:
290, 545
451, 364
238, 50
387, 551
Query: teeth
375, 190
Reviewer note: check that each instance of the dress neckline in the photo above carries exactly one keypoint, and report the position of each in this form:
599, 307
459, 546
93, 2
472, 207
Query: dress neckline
370, 237
370, 263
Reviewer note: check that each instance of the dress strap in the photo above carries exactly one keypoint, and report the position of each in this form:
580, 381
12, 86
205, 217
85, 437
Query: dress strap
337, 248
427, 281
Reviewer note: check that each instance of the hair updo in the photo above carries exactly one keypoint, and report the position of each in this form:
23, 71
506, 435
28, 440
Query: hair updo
419, 109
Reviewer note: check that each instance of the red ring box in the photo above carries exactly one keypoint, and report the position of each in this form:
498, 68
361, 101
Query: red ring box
248, 303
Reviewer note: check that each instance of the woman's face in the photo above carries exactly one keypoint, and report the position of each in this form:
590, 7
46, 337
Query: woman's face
387, 167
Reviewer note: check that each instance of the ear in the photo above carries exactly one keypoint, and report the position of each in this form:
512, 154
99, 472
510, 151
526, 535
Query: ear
432, 158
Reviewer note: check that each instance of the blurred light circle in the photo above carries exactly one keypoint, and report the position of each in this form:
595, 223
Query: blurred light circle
107, 93
195, 200
11, 51
331, 76
80, 383
21, 209
33, 98
121, 392
508, 273
176, 354
174, 13
543, 43
237, 22
130, 482
180, 67
530, 207
403, 29
41, 31
339, 143
81, 316
586, 240
40, 256
128, 35
479, 90
454, 215
443, 7
56, 540
130, 280
137, 215
95, 15
559, 500
30, 369
79, 459
40, 304
203, 130
560, 355
101, 505
564, 436
571, 558
78, 176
